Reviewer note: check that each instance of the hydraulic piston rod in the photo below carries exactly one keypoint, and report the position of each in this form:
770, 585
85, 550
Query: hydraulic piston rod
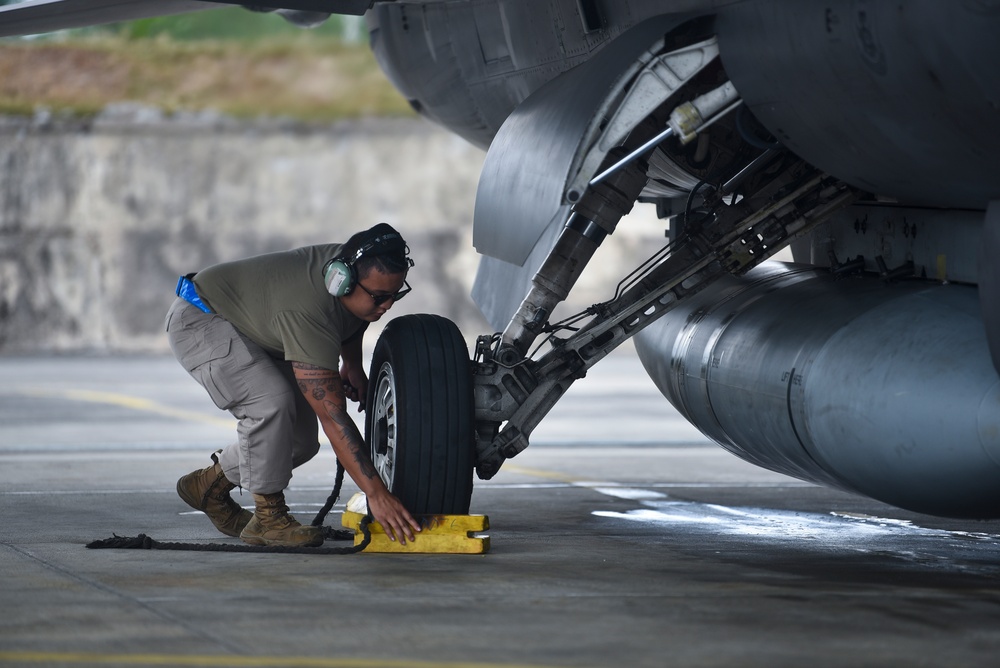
593, 218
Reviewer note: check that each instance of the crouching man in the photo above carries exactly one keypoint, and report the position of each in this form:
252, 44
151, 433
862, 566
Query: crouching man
265, 337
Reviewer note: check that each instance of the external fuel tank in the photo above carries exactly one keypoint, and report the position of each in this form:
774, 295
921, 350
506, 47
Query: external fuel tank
882, 389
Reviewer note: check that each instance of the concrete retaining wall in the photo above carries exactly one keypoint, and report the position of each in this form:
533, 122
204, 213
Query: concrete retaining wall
98, 218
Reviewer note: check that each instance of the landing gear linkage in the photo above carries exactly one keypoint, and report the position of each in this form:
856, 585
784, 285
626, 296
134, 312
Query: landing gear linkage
513, 392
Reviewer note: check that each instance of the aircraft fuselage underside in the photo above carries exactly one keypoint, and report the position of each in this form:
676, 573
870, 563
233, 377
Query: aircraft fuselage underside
760, 361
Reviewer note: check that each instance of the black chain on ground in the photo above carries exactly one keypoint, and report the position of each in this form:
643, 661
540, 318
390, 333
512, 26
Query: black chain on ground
144, 542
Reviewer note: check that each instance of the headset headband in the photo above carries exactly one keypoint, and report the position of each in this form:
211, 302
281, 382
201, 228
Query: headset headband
377, 241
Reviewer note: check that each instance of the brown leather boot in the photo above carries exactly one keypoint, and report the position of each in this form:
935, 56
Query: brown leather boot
208, 490
272, 525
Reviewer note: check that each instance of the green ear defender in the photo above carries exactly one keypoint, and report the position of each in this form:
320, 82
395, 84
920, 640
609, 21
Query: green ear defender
339, 276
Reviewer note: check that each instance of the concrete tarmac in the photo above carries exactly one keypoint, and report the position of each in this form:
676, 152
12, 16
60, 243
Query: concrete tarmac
621, 537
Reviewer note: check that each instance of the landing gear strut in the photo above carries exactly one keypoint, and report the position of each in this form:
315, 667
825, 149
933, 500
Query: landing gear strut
513, 395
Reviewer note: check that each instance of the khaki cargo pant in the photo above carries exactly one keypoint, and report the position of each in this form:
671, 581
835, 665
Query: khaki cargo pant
277, 428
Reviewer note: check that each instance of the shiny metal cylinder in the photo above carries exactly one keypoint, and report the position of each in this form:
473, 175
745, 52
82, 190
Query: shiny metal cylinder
553, 281
594, 217
884, 390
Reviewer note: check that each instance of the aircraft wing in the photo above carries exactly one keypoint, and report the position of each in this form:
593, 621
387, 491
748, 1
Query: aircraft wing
41, 16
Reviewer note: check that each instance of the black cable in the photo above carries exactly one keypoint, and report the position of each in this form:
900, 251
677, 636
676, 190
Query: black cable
688, 223
332, 499
144, 542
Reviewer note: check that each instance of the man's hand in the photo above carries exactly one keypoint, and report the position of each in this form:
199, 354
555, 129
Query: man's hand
352, 372
355, 384
394, 518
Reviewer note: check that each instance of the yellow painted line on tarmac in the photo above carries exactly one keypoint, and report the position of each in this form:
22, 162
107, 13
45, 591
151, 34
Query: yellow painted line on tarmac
540, 473
64, 658
126, 401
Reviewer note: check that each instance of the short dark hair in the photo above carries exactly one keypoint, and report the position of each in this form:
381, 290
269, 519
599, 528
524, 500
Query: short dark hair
381, 247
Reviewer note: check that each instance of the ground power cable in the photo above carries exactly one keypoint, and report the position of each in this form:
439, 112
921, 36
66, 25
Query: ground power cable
144, 542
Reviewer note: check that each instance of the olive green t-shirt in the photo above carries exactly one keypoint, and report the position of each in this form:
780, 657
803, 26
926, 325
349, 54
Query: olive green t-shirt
280, 302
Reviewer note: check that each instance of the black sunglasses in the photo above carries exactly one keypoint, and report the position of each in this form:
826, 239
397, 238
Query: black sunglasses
381, 299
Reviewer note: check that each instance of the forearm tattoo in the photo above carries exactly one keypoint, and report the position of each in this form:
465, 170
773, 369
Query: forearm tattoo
324, 386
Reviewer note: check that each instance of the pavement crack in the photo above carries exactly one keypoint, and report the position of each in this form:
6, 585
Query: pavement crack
111, 591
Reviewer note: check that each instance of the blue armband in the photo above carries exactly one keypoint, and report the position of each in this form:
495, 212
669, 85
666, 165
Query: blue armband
186, 290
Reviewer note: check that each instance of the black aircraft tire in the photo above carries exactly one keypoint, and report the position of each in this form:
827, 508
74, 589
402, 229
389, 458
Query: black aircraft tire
420, 418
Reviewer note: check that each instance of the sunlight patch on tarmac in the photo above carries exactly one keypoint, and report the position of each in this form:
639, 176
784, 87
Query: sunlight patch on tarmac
833, 531
780, 524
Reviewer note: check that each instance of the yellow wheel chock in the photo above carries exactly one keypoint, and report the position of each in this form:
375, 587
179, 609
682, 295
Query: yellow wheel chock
441, 534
